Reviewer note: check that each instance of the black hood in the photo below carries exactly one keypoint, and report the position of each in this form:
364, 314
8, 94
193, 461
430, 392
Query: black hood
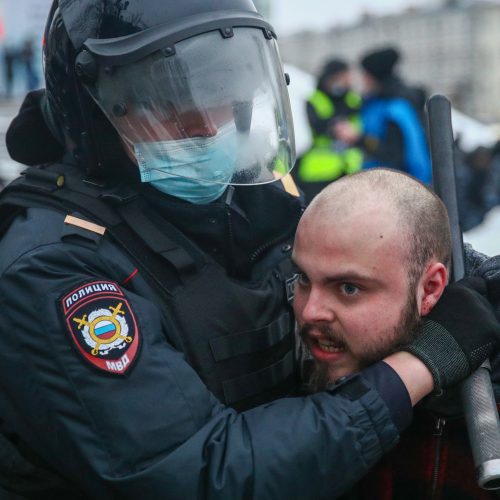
29, 139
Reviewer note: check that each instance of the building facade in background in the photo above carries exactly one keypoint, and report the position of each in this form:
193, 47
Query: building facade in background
453, 49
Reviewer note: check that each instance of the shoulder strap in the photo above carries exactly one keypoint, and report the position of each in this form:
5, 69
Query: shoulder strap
162, 245
118, 209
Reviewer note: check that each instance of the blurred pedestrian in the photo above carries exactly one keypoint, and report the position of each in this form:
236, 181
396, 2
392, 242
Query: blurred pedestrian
330, 158
478, 181
9, 60
393, 134
26, 58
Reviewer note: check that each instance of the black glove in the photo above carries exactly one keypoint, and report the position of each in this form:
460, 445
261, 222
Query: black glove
458, 334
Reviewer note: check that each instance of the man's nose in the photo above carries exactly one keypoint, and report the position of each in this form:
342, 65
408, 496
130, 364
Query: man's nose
317, 307
205, 129
198, 125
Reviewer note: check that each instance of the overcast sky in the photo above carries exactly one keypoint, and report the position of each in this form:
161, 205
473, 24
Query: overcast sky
26, 17
294, 15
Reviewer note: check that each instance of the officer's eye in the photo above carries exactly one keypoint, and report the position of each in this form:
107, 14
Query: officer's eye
349, 289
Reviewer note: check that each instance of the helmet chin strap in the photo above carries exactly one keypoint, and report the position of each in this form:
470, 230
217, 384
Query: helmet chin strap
86, 72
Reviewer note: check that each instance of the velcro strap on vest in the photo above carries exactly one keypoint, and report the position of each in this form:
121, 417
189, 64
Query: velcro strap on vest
229, 346
248, 385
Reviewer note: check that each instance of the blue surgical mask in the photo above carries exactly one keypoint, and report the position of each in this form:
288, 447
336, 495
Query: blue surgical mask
197, 170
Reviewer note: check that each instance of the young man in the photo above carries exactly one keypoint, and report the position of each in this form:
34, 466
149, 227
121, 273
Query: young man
378, 266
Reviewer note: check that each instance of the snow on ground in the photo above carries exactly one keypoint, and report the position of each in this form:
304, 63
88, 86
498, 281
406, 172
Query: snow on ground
471, 133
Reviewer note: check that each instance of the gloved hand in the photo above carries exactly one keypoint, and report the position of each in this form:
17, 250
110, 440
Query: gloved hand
460, 332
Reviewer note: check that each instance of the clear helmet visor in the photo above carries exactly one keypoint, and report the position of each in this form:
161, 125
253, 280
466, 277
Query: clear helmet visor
216, 111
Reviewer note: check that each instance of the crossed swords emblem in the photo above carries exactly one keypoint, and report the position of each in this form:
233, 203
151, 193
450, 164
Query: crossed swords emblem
92, 324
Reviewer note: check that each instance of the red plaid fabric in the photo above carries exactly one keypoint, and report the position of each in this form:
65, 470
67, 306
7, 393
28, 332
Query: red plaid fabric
428, 464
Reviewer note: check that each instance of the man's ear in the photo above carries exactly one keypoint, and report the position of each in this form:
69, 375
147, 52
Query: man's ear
431, 286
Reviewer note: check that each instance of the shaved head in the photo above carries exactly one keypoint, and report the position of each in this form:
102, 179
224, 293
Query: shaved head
419, 214
372, 252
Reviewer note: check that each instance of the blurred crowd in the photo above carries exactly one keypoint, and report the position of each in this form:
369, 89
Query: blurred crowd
19, 64
20, 73
385, 124
478, 183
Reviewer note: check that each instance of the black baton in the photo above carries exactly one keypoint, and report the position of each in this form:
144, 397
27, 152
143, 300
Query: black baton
478, 400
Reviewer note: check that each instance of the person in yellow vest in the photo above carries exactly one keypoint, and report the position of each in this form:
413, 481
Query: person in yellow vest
329, 158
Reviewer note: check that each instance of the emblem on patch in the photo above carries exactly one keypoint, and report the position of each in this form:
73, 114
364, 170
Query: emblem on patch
102, 325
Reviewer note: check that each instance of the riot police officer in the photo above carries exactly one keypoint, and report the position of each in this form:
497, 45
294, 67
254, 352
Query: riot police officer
328, 159
145, 276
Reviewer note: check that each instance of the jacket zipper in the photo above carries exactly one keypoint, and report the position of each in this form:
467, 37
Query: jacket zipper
282, 237
230, 234
438, 434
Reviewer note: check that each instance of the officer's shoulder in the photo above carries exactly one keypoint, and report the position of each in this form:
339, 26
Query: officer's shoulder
287, 184
46, 228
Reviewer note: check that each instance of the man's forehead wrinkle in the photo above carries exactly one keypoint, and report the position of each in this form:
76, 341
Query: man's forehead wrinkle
361, 209
385, 184
369, 193
342, 199
340, 276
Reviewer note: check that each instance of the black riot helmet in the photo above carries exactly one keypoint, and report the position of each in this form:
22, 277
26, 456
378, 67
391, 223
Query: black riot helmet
168, 79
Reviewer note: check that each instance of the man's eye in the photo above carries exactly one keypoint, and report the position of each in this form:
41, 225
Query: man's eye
349, 289
302, 279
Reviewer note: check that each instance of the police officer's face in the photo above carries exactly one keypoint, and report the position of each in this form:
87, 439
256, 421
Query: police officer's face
352, 300
342, 79
159, 124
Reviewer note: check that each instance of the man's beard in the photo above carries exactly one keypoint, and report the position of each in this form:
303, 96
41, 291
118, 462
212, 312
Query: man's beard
402, 334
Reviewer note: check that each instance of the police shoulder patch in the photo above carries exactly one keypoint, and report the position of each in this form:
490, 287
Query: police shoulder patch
102, 325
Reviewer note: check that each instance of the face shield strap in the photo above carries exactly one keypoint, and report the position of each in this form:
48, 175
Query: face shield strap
131, 48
